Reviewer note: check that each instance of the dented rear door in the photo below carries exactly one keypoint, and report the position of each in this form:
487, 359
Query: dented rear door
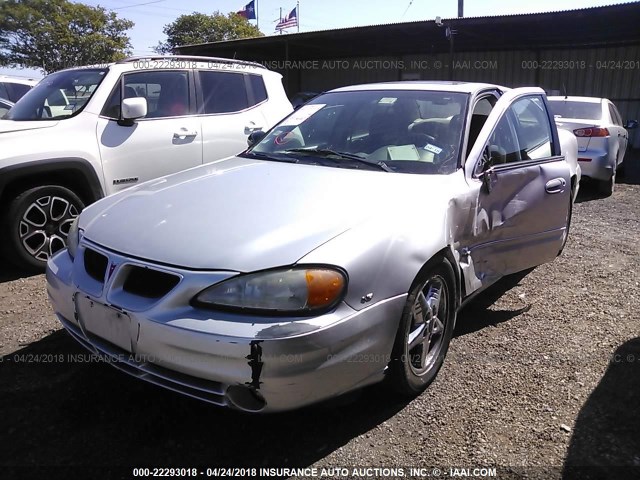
521, 186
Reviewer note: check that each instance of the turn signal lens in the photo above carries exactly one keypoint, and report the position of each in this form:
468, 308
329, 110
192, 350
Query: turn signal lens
323, 287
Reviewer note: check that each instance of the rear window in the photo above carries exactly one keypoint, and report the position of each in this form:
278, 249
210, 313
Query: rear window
581, 110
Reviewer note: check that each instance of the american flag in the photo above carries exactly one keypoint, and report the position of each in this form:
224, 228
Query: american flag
289, 21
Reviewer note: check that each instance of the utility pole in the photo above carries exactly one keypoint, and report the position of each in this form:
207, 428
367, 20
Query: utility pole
460, 8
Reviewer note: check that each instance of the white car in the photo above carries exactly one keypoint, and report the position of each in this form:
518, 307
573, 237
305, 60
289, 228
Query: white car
88, 132
602, 136
14, 88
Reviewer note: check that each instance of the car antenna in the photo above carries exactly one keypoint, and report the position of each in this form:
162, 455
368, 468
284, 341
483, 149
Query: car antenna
564, 90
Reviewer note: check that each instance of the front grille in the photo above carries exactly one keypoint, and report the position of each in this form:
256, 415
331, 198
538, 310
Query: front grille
149, 283
95, 264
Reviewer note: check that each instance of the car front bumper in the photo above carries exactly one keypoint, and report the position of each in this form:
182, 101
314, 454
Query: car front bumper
252, 364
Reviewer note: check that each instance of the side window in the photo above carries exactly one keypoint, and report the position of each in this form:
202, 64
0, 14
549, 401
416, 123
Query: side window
18, 91
523, 133
612, 114
223, 92
4, 93
259, 90
481, 112
166, 92
616, 118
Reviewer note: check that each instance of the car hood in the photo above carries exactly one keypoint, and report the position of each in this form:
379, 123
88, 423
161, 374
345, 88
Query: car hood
7, 126
244, 215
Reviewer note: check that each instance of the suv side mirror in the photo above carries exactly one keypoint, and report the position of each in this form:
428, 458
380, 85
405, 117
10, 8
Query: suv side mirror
631, 124
133, 108
255, 136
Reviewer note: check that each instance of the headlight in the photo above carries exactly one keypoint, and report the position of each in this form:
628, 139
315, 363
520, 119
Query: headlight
73, 238
296, 291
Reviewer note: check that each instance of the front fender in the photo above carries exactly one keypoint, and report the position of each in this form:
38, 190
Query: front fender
383, 256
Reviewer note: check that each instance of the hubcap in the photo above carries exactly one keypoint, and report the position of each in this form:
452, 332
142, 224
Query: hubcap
45, 225
428, 320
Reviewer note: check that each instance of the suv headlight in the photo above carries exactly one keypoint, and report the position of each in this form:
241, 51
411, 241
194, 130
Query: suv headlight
296, 291
73, 238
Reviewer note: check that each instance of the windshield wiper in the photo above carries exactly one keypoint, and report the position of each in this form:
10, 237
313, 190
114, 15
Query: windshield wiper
326, 153
268, 156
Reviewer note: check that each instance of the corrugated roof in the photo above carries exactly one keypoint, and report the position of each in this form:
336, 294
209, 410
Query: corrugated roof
418, 22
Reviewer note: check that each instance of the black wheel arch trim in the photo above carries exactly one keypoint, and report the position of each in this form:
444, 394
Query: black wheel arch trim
11, 173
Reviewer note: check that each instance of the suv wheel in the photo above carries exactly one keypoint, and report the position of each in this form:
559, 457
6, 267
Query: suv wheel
37, 224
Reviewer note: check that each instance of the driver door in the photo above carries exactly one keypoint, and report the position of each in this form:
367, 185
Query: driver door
522, 189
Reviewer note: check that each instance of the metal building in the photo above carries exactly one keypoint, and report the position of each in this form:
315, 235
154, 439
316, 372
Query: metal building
590, 52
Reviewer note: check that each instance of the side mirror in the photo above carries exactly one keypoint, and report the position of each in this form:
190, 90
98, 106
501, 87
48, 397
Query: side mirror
255, 137
133, 108
492, 155
631, 124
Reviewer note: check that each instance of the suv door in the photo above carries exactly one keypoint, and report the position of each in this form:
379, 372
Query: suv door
230, 105
167, 140
522, 186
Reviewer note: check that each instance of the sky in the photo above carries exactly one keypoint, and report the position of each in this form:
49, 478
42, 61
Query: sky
151, 16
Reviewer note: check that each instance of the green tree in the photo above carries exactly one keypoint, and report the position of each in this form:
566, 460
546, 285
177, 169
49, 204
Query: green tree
202, 28
53, 34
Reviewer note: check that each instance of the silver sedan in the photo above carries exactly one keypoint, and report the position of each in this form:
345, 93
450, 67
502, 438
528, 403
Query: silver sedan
601, 133
333, 254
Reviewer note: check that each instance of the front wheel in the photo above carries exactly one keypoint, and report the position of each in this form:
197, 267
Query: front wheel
37, 224
425, 330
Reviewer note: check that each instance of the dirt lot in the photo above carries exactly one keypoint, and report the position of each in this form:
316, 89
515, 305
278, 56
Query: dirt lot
544, 371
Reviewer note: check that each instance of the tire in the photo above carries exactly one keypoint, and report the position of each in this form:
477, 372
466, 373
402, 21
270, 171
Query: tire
413, 368
607, 187
37, 223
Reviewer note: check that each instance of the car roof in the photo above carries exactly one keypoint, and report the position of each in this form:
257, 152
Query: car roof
436, 86
23, 81
167, 62
576, 99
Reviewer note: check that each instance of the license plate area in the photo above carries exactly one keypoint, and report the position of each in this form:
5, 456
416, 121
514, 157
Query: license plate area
105, 322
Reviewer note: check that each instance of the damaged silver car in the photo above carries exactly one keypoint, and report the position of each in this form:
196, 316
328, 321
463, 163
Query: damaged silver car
333, 254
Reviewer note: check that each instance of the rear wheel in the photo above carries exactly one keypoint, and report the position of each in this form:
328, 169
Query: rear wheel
37, 224
607, 187
425, 330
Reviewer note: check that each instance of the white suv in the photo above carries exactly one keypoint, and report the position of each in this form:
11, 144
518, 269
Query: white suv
88, 132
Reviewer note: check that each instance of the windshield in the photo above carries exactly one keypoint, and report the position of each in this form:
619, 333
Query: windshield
579, 110
406, 131
59, 95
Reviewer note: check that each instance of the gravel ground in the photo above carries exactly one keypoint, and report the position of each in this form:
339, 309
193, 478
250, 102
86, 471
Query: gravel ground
543, 372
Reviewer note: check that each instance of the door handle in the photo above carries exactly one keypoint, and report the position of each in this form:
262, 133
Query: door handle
556, 185
184, 133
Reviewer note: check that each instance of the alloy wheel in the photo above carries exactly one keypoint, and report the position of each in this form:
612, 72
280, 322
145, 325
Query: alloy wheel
45, 224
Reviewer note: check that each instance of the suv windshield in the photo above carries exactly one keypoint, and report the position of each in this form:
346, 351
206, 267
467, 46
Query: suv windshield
59, 95
407, 131
579, 110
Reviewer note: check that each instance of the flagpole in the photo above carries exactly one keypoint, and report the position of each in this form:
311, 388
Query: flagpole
280, 19
298, 15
